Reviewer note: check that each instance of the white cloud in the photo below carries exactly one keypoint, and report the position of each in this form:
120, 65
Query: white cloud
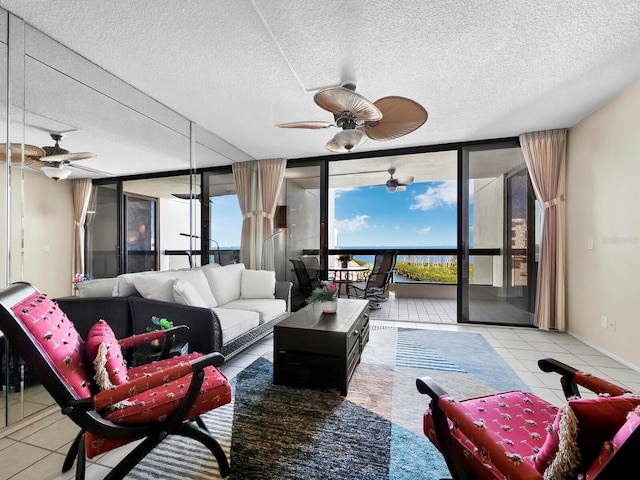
352, 224
442, 194
424, 230
340, 191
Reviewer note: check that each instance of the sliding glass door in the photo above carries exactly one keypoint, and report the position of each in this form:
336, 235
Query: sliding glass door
497, 266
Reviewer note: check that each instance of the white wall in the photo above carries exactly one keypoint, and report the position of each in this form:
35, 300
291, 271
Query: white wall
603, 198
41, 232
175, 218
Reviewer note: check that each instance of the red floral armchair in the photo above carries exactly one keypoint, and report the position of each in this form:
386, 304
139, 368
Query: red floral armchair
516, 435
112, 404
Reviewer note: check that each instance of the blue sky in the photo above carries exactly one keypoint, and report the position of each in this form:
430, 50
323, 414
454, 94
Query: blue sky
226, 221
423, 215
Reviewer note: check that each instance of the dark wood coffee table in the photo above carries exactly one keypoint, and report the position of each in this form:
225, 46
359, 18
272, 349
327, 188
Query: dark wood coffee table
311, 348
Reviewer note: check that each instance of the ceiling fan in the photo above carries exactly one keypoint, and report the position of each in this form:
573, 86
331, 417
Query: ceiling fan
52, 160
187, 196
359, 119
398, 184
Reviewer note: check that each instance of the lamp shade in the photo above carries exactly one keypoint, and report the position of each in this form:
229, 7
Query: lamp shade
349, 139
57, 173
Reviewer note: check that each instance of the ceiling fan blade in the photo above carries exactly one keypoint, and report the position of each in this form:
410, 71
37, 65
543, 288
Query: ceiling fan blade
186, 196
69, 157
400, 116
30, 151
339, 100
404, 180
401, 188
310, 125
89, 169
38, 164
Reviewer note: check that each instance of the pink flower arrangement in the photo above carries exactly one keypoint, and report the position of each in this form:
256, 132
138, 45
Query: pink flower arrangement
328, 292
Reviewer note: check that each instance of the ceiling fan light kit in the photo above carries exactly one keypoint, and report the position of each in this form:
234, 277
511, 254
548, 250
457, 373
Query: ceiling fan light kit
347, 140
359, 119
57, 173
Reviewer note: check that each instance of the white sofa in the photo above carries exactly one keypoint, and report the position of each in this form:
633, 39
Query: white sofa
242, 305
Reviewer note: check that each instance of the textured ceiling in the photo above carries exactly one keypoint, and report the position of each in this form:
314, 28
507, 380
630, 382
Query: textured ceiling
239, 67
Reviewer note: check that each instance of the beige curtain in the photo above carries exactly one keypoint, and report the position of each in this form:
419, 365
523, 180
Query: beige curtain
270, 178
545, 153
246, 178
81, 192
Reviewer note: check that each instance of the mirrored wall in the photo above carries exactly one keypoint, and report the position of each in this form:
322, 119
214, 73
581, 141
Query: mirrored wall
55, 91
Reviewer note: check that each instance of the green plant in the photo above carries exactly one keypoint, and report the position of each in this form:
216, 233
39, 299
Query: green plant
327, 293
345, 257
160, 324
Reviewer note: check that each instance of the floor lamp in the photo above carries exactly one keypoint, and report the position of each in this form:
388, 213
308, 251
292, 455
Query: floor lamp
218, 247
263, 243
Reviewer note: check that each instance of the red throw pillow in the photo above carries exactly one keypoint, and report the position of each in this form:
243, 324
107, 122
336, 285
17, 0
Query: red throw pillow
103, 350
598, 420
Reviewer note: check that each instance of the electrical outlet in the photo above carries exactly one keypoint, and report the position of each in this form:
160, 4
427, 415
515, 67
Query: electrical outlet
612, 324
604, 322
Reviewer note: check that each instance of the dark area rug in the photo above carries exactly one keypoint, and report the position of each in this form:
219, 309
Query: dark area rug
280, 432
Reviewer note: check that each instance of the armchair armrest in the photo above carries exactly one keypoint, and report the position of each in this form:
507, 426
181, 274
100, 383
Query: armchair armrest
107, 398
167, 337
571, 378
204, 331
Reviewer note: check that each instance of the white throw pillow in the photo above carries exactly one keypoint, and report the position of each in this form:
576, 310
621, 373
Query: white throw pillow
156, 286
100, 287
225, 282
258, 284
159, 285
126, 284
198, 281
185, 294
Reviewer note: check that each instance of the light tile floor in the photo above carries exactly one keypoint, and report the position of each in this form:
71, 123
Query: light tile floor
36, 451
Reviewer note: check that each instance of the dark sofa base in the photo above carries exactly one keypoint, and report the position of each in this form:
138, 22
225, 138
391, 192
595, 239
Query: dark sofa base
131, 315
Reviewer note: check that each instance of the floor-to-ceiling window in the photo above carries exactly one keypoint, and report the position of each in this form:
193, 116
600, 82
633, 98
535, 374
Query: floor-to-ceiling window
497, 237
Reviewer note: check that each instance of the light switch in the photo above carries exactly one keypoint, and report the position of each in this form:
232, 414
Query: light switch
46, 248
590, 244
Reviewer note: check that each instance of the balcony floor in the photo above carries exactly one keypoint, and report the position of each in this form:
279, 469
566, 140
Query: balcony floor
434, 310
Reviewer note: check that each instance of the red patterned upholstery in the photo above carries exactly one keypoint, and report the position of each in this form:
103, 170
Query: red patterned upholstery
57, 337
99, 335
518, 420
517, 436
159, 402
609, 448
151, 401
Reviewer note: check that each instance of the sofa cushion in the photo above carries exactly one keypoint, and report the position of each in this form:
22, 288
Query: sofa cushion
225, 282
125, 285
266, 309
234, 323
102, 349
159, 285
100, 287
258, 284
185, 294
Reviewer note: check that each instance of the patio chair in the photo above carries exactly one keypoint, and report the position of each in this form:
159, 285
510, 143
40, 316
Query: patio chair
376, 284
517, 435
312, 264
306, 284
118, 405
